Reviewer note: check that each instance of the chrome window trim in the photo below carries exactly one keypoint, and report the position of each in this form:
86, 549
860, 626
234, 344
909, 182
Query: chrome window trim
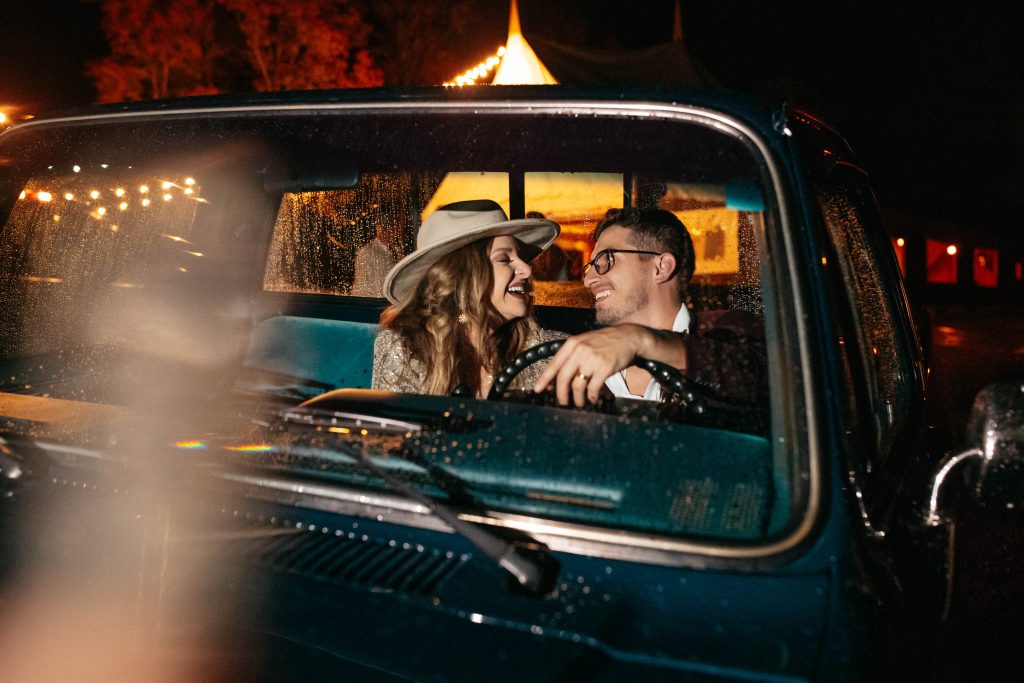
557, 533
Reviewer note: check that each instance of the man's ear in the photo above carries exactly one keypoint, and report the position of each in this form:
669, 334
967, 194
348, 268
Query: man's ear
665, 267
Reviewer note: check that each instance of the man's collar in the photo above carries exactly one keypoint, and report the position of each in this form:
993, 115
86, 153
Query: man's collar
682, 321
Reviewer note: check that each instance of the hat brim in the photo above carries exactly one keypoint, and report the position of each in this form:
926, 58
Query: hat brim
534, 232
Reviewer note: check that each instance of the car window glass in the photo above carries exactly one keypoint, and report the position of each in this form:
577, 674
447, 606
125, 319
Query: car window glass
77, 247
881, 344
252, 281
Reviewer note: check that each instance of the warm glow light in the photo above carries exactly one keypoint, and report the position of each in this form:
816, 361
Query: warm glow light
951, 250
68, 196
195, 253
900, 241
44, 196
188, 190
123, 205
56, 218
143, 189
22, 195
101, 211
167, 184
114, 228
481, 70
3, 117
167, 197
145, 202
119, 192
94, 194
76, 168
190, 181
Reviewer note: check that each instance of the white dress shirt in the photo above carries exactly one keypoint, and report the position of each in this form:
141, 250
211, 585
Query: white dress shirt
617, 382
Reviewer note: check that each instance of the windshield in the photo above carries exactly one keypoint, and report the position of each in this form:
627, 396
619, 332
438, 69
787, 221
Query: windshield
215, 273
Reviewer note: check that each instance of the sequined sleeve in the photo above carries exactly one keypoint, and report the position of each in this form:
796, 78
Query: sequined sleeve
393, 368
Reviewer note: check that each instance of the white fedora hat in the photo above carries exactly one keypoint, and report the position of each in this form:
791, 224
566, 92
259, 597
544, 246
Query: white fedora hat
455, 225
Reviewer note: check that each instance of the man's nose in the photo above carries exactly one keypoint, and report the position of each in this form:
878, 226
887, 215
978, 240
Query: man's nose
590, 278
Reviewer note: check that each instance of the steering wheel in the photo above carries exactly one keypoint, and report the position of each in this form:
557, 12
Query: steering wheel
686, 391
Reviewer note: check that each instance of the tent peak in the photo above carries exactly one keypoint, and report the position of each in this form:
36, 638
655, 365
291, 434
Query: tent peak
513, 19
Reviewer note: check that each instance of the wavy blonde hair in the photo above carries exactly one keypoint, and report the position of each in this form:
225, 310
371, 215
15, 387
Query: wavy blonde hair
427, 321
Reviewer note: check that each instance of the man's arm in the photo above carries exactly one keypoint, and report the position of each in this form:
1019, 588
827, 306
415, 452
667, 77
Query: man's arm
586, 360
725, 351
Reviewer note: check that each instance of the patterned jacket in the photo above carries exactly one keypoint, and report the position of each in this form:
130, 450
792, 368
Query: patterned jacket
394, 369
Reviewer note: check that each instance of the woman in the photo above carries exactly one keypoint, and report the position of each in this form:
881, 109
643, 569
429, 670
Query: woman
462, 302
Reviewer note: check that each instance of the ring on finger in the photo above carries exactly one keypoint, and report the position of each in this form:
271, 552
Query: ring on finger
584, 377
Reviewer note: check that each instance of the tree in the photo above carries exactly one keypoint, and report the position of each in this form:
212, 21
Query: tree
158, 48
313, 44
425, 42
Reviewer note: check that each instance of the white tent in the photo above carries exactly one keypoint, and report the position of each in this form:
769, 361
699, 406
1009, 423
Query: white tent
520, 65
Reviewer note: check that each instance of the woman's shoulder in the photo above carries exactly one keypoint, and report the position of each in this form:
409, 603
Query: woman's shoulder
386, 338
540, 335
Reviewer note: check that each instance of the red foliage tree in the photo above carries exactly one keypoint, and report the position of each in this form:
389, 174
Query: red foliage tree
312, 44
158, 48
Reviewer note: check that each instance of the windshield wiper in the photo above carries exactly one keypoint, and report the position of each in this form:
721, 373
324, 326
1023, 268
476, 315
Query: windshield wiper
534, 574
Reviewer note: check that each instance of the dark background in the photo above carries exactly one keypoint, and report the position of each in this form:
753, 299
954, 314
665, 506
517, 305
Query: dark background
930, 95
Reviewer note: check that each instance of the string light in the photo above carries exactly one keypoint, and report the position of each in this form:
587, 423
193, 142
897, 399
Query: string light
44, 196
94, 194
69, 196
478, 72
119, 192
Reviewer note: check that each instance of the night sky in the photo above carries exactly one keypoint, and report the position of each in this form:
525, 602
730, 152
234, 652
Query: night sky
930, 95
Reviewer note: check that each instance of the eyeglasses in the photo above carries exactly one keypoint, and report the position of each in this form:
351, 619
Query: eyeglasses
605, 259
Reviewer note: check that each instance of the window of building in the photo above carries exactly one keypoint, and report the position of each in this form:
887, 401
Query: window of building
986, 267
940, 260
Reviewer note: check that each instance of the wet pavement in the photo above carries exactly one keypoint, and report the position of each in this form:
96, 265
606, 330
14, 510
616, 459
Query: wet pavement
972, 346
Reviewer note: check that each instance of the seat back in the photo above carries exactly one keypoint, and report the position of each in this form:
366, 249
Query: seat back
328, 353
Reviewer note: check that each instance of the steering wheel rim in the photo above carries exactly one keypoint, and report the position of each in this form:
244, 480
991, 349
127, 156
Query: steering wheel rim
687, 392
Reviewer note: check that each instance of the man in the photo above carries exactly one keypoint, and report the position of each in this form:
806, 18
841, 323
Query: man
373, 261
642, 265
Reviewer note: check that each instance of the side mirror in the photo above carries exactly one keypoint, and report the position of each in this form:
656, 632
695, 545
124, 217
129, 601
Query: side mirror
994, 461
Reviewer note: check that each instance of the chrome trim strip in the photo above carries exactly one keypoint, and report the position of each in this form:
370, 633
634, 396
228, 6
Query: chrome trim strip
951, 461
636, 108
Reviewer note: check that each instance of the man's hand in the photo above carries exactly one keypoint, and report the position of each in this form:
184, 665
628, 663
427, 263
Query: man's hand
586, 360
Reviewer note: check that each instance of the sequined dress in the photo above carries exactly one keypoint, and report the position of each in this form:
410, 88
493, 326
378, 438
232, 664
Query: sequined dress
394, 369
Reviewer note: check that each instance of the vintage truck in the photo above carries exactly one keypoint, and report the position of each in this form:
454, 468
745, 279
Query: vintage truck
197, 479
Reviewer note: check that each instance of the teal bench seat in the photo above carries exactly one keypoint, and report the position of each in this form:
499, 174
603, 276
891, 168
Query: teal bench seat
323, 354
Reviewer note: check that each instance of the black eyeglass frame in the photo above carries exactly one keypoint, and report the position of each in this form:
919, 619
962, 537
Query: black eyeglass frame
611, 258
